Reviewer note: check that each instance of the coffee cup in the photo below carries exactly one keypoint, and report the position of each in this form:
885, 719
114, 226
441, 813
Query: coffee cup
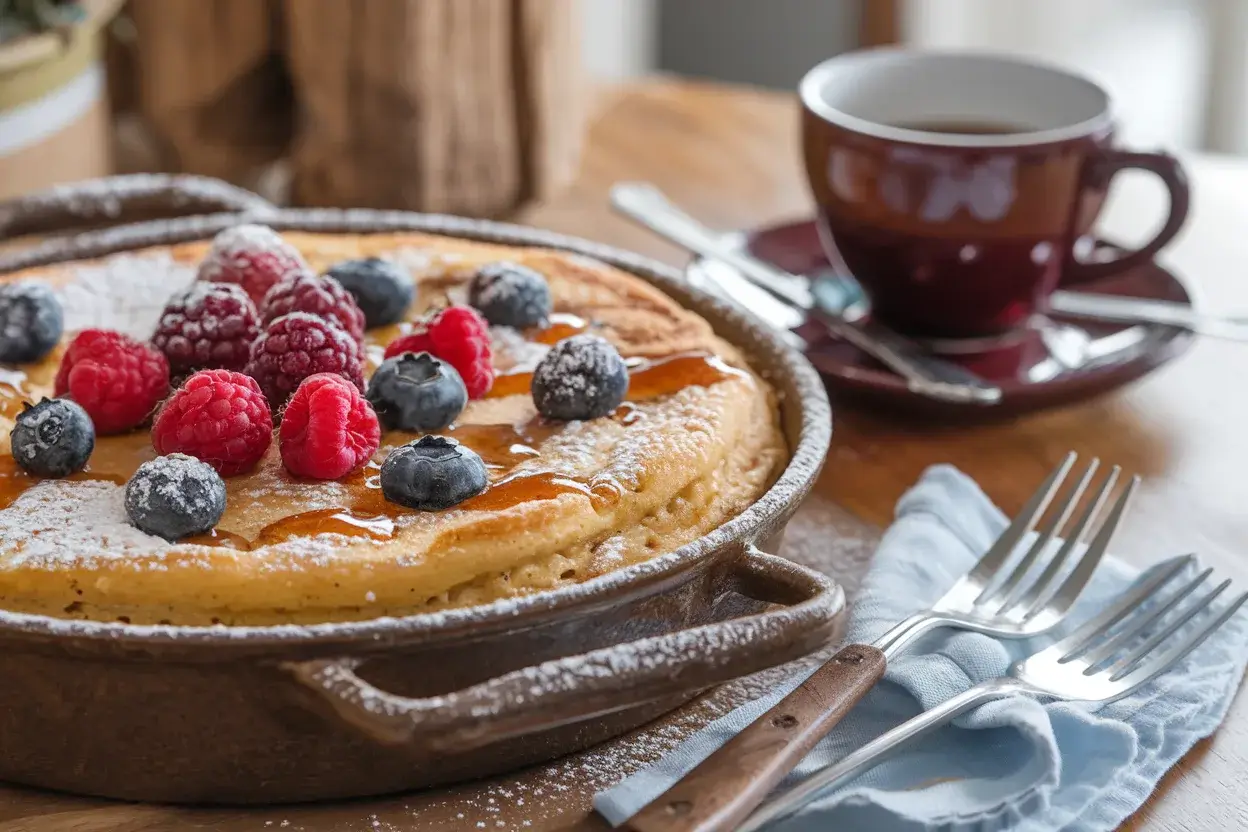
954, 187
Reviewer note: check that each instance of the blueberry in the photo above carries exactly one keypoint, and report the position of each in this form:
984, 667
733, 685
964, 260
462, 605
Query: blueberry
508, 294
52, 439
384, 290
416, 392
432, 473
31, 322
175, 496
582, 377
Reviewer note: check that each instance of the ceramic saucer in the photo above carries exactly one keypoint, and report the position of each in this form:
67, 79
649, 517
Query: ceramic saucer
1053, 360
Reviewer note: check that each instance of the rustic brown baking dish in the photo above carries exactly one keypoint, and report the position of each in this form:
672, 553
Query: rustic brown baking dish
279, 714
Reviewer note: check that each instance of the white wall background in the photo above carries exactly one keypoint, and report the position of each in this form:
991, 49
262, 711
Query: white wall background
619, 37
1152, 55
1177, 69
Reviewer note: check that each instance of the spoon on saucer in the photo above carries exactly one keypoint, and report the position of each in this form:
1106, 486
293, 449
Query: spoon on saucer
925, 374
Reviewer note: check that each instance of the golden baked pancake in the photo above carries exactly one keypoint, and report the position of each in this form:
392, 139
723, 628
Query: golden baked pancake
696, 441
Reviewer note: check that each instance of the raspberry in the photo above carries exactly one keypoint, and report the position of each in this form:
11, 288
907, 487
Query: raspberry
116, 379
418, 341
219, 417
253, 256
210, 325
328, 429
320, 296
460, 337
299, 345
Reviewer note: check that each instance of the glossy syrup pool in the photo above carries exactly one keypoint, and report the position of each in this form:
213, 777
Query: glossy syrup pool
365, 513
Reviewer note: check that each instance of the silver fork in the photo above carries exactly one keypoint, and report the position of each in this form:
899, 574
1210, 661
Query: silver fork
1110, 656
1002, 596
995, 597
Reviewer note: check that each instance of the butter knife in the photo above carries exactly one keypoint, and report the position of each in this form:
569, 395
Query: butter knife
1136, 310
924, 374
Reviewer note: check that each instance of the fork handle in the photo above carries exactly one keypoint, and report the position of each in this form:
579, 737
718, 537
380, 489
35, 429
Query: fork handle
725, 787
878, 750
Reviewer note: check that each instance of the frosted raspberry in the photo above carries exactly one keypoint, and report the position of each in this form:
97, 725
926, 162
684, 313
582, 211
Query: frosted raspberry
219, 417
253, 256
328, 429
299, 345
116, 379
209, 325
320, 296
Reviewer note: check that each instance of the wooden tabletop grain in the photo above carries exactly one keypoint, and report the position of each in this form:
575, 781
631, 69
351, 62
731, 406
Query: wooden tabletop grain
729, 156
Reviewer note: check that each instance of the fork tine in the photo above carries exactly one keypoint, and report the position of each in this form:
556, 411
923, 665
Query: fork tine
1004, 545
1013, 584
1160, 664
1123, 666
1091, 558
1079, 639
1139, 623
1019, 588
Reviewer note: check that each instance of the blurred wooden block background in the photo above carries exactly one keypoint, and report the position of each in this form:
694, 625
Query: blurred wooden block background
472, 107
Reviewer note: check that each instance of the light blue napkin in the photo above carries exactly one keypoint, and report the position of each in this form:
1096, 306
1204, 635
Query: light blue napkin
1011, 764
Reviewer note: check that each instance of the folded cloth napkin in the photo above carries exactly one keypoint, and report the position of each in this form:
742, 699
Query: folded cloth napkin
1010, 764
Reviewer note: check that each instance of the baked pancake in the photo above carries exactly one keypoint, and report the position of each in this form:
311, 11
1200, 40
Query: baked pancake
696, 440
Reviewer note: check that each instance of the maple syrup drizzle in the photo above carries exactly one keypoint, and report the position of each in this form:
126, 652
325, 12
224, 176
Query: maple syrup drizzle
343, 521
510, 384
665, 376
646, 379
14, 392
558, 326
219, 538
14, 482
531, 486
107, 464
369, 514
504, 446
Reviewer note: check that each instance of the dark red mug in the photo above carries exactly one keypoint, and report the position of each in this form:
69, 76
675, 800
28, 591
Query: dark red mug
955, 186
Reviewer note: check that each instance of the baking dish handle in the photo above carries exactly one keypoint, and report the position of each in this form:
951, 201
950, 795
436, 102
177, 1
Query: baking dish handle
113, 200
575, 688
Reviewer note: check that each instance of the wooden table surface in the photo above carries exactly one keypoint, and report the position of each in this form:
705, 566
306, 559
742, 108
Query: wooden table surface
729, 156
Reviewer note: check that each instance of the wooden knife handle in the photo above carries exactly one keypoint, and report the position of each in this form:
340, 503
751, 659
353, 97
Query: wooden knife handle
728, 785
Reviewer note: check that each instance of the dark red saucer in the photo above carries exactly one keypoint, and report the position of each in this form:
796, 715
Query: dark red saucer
1054, 360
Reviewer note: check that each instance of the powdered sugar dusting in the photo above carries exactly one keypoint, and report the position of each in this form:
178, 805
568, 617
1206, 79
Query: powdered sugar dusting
513, 352
427, 263
47, 521
126, 292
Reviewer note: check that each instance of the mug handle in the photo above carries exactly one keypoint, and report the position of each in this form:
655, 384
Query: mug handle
1098, 172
